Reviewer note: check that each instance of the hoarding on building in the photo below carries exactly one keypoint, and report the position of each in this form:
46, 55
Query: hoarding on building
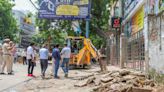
64, 9
138, 21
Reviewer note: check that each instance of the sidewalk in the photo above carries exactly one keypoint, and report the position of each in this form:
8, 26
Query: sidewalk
20, 75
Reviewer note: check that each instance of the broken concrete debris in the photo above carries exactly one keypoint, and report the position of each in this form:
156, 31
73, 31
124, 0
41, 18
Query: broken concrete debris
119, 81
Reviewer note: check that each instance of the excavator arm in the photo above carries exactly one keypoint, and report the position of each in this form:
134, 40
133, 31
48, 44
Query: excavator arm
91, 48
84, 55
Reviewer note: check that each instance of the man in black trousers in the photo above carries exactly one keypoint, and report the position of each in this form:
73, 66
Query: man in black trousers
31, 60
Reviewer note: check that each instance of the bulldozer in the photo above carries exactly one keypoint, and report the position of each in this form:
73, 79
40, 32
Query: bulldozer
82, 51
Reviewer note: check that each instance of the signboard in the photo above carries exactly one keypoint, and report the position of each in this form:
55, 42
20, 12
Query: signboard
28, 30
138, 21
26, 26
64, 9
116, 22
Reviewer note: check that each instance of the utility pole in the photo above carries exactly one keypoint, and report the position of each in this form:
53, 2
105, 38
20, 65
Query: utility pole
87, 28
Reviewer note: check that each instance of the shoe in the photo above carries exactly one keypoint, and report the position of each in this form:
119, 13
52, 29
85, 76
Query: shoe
43, 77
66, 75
10, 74
29, 75
57, 77
2, 73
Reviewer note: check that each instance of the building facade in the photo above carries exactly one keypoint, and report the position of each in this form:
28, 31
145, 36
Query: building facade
142, 26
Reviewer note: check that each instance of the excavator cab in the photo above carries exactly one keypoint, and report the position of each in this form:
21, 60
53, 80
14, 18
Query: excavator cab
82, 51
75, 43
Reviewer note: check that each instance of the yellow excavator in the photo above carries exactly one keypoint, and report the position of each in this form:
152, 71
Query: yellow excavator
82, 51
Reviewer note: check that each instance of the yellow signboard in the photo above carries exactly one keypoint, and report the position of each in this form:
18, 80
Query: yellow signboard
71, 10
138, 21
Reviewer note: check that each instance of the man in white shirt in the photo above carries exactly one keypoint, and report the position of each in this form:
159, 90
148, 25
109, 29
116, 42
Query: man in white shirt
43, 54
66, 53
30, 58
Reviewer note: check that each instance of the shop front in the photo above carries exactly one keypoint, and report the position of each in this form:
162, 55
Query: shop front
133, 30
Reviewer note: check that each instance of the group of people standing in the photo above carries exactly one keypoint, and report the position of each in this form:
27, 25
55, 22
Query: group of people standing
7, 52
43, 56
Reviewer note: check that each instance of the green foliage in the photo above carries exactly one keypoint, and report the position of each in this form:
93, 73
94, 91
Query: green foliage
8, 26
99, 20
53, 30
157, 77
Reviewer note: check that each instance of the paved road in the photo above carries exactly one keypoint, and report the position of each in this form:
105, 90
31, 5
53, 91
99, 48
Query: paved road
20, 75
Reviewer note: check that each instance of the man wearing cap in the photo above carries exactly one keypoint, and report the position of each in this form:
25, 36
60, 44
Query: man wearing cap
7, 57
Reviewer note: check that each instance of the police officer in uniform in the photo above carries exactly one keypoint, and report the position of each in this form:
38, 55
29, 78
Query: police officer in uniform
7, 57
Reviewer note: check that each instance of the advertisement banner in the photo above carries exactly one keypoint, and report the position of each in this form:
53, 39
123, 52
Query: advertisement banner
138, 21
64, 9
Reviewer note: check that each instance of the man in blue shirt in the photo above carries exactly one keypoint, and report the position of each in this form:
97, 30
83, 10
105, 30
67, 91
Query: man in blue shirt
43, 54
57, 58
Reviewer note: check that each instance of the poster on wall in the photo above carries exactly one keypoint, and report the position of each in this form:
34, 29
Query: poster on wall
64, 9
138, 21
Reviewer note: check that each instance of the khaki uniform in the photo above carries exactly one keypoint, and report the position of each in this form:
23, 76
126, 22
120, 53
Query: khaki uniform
1, 59
6, 58
12, 51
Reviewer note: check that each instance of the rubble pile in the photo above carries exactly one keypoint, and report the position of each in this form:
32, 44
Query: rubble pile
118, 81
